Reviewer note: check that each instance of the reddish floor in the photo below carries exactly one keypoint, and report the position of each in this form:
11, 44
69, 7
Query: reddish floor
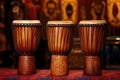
11, 74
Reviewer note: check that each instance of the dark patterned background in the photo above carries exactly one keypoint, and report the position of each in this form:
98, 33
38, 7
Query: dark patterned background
46, 10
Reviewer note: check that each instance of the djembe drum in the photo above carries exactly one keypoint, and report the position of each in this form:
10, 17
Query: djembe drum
26, 36
59, 35
92, 38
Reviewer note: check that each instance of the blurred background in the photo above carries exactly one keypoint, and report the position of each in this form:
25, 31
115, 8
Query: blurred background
75, 10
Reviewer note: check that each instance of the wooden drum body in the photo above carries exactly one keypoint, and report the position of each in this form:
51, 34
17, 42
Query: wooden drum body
59, 34
92, 38
26, 34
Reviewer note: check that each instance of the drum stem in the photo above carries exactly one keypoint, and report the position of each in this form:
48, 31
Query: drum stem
26, 65
59, 65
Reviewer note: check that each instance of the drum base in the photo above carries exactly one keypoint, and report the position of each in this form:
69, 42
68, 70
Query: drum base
26, 65
92, 66
59, 65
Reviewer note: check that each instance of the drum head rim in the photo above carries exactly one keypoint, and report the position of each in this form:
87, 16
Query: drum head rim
26, 21
59, 22
92, 22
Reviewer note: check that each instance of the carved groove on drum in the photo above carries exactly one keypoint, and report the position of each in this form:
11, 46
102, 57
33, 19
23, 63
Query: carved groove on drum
59, 38
26, 37
92, 37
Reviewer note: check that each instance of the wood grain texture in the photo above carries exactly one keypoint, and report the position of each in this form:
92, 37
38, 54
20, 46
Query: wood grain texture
92, 65
26, 65
59, 65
